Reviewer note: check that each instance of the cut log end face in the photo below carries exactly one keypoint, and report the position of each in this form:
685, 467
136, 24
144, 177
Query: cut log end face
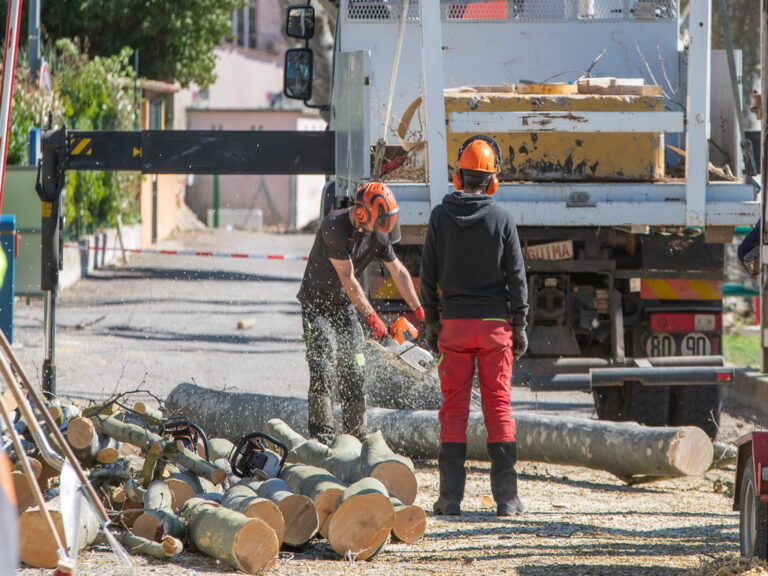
267, 511
325, 503
360, 526
691, 451
149, 527
301, 520
398, 479
255, 548
181, 492
37, 545
410, 524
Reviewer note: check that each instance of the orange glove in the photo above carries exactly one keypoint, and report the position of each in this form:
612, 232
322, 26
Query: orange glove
378, 328
419, 313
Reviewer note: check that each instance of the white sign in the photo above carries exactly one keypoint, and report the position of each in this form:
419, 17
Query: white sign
552, 251
660, 344
695, 344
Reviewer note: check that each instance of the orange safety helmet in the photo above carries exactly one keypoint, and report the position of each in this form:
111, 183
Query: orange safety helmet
375, 203
481, 154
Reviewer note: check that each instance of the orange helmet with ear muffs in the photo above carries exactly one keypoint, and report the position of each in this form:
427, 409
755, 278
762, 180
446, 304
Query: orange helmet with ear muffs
480, 154
375, 203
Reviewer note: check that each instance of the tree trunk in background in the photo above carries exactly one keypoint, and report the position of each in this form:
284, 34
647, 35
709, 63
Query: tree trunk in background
623, 448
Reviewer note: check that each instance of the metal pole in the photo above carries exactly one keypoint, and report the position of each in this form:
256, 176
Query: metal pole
13, 22
215, 200
33, 39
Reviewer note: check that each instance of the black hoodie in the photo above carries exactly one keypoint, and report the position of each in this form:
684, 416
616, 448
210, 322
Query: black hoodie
472, 256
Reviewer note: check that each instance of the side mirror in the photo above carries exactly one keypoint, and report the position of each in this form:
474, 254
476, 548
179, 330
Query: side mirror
297, 74
300, 22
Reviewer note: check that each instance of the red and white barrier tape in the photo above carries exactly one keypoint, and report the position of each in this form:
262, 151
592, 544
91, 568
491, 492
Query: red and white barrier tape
191, 253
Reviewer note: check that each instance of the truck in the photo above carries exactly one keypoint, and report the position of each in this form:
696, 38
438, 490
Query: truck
624, 164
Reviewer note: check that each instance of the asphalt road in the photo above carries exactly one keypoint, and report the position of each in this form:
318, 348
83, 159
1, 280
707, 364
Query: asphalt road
161, 320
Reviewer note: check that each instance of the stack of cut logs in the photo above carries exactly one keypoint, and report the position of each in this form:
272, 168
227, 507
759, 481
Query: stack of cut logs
169, 489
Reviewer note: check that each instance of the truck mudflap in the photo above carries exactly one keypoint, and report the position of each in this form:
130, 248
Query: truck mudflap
586, 374
754, 446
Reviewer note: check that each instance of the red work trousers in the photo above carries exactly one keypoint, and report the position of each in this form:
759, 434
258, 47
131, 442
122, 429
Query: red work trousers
461, 343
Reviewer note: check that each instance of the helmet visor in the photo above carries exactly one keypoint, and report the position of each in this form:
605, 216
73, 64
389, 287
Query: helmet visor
387, 227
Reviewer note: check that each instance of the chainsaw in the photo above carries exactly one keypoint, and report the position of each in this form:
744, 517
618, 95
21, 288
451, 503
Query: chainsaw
402, 351
189, 433
252, 457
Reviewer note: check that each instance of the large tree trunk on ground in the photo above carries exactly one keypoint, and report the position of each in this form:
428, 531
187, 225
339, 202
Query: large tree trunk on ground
319, 485
246, 544
37, 544
360, 526
622, 448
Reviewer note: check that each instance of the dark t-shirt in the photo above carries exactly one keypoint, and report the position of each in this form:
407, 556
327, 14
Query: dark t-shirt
338, 239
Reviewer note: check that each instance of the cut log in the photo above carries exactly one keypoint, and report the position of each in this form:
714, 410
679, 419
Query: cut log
317, 484
219, 448
158, 496
299, 512
37, 544
724, 455
246, 544
396, 472
360, 526
185, 486
410, 521
157, 524
163, 550
623, 448
241, 498
349, 460
24, 496
150, 414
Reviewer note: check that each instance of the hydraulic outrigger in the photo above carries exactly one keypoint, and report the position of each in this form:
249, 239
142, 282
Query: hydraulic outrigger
158, 152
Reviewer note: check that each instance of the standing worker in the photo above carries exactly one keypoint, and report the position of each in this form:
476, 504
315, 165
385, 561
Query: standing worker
472, 256
331, 294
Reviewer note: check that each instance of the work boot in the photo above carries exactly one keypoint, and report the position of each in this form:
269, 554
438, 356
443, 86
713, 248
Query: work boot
450, 461
504, 478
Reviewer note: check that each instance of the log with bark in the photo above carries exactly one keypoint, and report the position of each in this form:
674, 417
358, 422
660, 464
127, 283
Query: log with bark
158, 519
37, 546
246, 544
350, 460
168, 547
319, 485
360, 526
625, 449
241, 498
410, 521
299, 512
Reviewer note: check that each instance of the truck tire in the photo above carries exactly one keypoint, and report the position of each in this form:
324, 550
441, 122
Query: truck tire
697, 405
753, 517
609, 403
648, 405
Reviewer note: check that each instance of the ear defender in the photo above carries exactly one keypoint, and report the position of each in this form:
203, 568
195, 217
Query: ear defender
362, 214
482, 154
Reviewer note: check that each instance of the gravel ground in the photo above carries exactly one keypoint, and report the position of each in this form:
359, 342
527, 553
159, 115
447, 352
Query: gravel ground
578, 522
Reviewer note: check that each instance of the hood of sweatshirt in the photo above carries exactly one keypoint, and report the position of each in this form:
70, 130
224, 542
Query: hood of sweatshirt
466, 209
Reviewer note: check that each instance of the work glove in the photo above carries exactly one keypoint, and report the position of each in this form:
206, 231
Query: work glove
751, 262
433, 333
419, 313
519, 342
378, 328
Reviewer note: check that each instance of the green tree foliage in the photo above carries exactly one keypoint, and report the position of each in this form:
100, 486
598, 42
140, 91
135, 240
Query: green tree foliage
87, 94
96, 94
175, 39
